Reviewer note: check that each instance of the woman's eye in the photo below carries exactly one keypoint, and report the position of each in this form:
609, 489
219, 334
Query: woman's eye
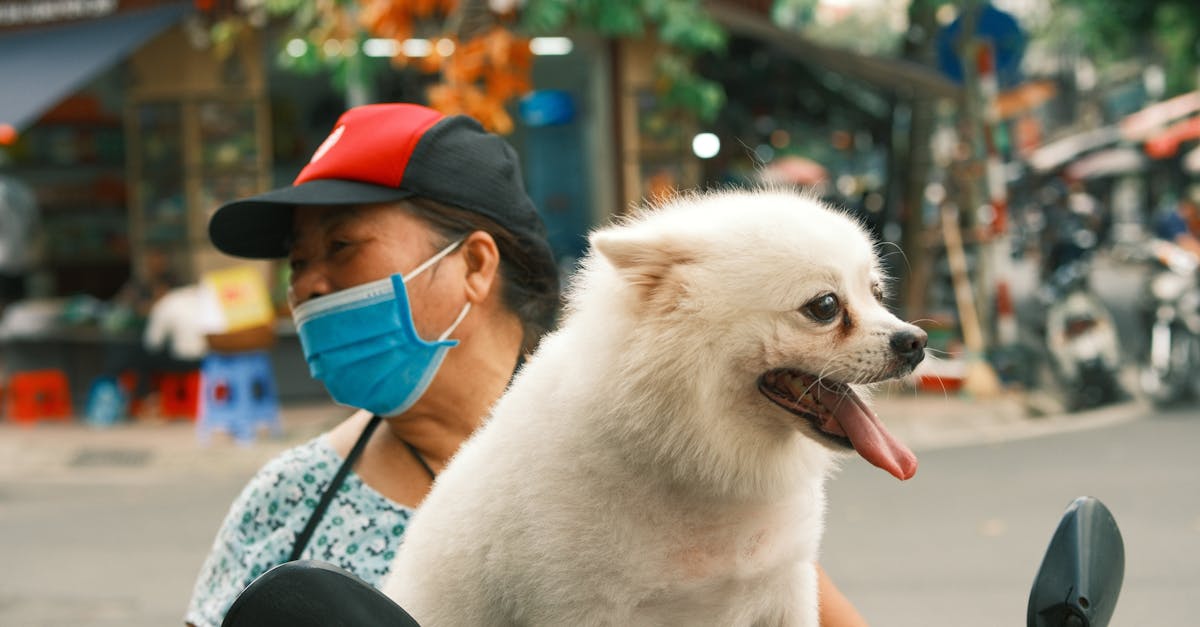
823, 308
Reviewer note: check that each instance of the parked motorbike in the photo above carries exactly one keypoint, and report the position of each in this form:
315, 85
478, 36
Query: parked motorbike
1169, 374
1077, 584
1080, 337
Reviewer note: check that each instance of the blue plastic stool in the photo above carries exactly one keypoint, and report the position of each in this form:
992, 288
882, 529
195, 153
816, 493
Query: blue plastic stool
238, 396
107, 402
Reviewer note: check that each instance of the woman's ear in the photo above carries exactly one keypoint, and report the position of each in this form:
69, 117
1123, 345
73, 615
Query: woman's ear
483, 265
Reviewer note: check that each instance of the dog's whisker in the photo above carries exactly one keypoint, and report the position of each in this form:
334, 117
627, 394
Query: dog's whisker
942, 384
837, 370
945, 392
930, 353
760, 164
825, 371
899, 251
816, 382
819, 376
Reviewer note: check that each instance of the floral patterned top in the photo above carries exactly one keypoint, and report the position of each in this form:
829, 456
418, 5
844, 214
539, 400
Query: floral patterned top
360, 531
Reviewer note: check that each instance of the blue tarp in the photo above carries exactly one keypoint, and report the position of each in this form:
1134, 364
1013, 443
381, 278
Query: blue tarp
39, 67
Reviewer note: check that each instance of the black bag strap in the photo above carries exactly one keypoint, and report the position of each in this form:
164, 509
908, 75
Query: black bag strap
420, 459
330, 490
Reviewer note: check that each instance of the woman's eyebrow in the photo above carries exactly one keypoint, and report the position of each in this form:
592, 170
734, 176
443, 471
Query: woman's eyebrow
338, 216
326, 221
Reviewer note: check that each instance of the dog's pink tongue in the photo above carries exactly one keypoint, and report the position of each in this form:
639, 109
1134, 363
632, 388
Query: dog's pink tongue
868, 435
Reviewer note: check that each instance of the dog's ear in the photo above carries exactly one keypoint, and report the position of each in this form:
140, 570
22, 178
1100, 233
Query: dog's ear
643, 259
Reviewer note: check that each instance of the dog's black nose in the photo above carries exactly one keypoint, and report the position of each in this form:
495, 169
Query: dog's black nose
910, 345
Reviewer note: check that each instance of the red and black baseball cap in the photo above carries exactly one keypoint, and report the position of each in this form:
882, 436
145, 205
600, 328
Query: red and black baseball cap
384, 153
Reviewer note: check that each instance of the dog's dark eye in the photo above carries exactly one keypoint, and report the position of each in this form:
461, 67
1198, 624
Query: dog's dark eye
823, 308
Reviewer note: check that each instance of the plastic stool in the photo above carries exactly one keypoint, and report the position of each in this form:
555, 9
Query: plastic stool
107, 402
38, 395
179, 395
128, 382
238, 396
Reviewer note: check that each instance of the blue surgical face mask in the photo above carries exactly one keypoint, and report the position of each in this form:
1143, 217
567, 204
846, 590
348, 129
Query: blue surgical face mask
362, 344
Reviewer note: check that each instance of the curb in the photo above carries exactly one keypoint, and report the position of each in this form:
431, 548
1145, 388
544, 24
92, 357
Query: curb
146, 452
938, 434
928, 421
140, 452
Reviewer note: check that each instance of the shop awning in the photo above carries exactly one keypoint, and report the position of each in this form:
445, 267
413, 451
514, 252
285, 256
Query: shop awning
41, 66
1166, 143
1110, 162
898, 76
1061, 151
1142, 124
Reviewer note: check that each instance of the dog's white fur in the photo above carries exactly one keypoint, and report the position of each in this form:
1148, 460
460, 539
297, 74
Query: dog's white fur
634, 474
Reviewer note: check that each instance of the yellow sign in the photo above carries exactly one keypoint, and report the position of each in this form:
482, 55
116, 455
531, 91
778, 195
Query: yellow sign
243, 296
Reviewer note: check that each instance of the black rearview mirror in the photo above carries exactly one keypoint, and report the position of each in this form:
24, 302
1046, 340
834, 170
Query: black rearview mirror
1081, 574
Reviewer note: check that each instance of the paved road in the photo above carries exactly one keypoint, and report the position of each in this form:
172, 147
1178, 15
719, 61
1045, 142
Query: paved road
108, 528
107, 553
960, 543
957, 545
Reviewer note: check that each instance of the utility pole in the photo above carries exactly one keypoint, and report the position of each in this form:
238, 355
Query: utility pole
358, 84
922, 17
978, 176
998, 242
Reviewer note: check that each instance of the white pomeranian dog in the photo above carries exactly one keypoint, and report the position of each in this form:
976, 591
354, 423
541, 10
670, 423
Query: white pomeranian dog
661, 458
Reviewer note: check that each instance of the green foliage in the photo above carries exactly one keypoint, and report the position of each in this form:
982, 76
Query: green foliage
868, 29
794, 13
304, 20
1177, 31
541, 16
687, 90
1115, 30
682, 25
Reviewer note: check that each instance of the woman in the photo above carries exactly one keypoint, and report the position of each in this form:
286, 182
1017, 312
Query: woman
400, 210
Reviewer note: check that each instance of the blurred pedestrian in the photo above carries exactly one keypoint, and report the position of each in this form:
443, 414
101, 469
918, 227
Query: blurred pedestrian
149, 281
1182, 226
125, 323
19, 225
1072, 226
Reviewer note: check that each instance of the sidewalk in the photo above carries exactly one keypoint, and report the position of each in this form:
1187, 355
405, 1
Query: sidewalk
147, 452
927, 421
140, 451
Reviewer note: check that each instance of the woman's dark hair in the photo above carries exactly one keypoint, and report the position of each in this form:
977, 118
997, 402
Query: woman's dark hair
529, 274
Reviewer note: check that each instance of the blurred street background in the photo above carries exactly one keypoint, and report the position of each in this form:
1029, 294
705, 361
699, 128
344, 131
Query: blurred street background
1031, 169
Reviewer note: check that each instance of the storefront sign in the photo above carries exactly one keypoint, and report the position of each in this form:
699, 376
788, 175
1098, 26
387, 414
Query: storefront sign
243, 296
